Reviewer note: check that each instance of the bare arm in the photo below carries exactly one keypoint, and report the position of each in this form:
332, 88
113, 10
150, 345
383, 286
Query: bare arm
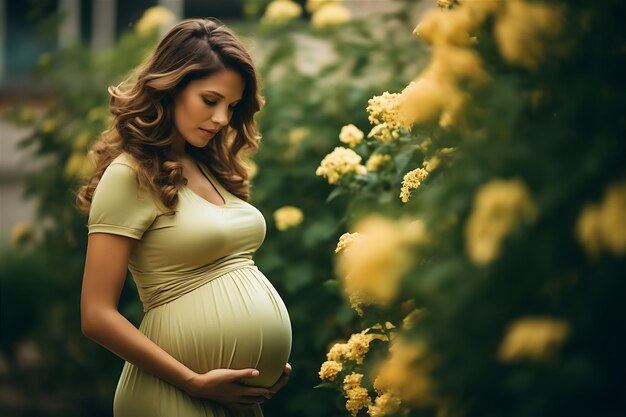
105, 271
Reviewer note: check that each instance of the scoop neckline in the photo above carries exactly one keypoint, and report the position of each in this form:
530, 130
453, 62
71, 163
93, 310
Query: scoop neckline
218, 187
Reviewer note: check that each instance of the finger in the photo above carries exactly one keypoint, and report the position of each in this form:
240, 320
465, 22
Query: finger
235, 374
282, 381
255, 392
288, 369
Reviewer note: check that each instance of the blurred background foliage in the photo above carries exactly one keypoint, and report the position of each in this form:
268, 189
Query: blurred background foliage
515, 168
315, 78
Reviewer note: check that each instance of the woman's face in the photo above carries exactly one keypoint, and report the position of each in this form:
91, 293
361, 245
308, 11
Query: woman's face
206, 105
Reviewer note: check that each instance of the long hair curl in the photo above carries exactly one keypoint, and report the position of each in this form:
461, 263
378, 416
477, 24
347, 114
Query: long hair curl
143, 116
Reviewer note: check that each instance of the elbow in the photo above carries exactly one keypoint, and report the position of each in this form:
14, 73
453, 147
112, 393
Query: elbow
88, 325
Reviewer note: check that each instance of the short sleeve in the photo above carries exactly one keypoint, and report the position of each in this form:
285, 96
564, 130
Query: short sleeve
119, 206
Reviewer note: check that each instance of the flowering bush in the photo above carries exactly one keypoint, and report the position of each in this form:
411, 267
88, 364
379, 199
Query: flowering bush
487, 226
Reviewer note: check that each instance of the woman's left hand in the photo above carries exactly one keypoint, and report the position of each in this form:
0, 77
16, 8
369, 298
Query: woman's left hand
282, 381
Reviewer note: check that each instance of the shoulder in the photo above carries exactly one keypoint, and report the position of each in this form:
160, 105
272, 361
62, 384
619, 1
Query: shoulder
122, 168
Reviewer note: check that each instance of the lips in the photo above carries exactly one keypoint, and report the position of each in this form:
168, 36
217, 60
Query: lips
208, 133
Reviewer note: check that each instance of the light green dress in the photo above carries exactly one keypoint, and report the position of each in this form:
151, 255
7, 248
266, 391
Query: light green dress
205, 301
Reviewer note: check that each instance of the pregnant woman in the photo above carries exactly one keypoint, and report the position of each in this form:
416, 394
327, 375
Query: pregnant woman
168, 201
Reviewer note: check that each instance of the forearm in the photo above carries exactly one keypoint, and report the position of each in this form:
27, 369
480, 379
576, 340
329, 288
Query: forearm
113, 331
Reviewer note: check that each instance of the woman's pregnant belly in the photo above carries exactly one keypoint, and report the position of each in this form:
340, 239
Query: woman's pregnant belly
235, 321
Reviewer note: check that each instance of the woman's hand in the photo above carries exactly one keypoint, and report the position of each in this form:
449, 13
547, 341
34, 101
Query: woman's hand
282, 381
222, 386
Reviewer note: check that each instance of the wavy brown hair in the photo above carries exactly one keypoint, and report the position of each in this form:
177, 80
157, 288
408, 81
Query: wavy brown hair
143, 114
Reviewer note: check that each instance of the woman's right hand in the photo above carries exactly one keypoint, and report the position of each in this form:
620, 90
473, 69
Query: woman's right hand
223, 387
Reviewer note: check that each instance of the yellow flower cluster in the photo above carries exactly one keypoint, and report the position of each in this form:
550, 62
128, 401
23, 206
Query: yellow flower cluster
375, 161
357, 396
406, 374
372, 262
330, 370
412, 180
22, 233
383, 133
153, 19
345, 240
331, 13
48, 126
602, 226
521, 30
437, 93
533, 338
314, 5
384, 109
339, 162
279, 12
355, 348
431, 164
498, 207
287, 217
351, 135
384, 404
447, 4
294, 138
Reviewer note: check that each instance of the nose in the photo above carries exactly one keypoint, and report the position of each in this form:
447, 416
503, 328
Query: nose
221, 116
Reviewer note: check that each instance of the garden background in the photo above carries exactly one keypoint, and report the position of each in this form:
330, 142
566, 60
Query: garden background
445, 195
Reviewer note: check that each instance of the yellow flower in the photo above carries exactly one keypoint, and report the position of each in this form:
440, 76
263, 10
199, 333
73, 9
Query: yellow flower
153, 19
614, 218
522, 28
345, 240
447, 4
358, 345
412, 180
25, 115
22, 233
498, 207
351, 135
337, 352
81, 143
48, 126
314, 5
329, 370
406, 373
383, 133
533, 338
357, 396
450, 28
98, 114
384, 109
412, 318
372, 264
603, 225
287, 217
297, 135
330, 14
294, 138
431, 164
589, 229
279, 12
79, 165
375, 161
385, 404
339, 162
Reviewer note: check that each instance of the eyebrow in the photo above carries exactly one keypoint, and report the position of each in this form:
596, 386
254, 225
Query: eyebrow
220, 95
